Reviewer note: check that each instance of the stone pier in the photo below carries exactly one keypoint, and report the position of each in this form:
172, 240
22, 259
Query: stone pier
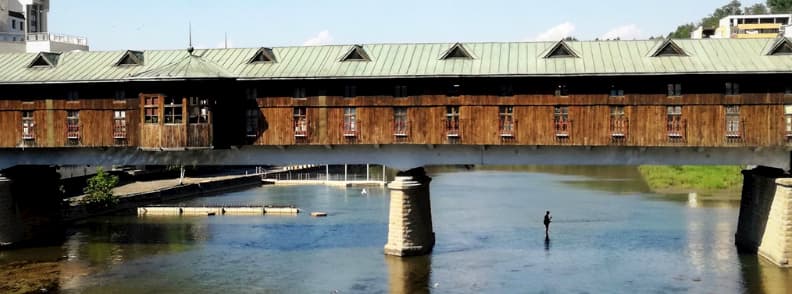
765, 223
410, 230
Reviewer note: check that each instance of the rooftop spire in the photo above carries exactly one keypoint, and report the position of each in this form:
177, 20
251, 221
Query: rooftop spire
190, 48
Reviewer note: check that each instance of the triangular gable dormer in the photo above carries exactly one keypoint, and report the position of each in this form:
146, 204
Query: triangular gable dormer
263, 55
356, 53
457, 52
669, 48
131, 58
45, 59
781, 47
561, 50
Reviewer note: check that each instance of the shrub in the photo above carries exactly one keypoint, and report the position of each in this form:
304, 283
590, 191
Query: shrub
99, 192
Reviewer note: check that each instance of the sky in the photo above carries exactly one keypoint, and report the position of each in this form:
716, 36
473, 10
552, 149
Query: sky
163, 24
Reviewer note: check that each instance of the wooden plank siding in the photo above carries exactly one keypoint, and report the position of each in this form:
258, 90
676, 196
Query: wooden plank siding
703, 111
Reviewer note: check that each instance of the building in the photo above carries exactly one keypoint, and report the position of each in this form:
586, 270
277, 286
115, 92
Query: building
647, 93
746, 27
24, 28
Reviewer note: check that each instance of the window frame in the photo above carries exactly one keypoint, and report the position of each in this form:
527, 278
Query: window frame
176, 115
151, 109
674, 89
300, 119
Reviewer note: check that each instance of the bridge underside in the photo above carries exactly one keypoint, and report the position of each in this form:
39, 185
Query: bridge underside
402, 156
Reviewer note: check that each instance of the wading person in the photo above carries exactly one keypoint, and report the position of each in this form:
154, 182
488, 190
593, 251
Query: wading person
547, 220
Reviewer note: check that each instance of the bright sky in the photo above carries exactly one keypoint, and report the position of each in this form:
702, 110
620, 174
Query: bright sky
162, 24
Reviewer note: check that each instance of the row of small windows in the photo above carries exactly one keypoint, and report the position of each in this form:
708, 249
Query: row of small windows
504, 90
73, 127
676, 126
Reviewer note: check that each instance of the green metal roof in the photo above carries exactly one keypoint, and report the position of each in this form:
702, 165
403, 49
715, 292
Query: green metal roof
708, 56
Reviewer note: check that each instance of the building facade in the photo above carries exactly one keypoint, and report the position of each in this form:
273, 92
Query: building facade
746, 27
653, 93
24, 28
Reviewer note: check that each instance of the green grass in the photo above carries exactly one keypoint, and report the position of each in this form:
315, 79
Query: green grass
692, 177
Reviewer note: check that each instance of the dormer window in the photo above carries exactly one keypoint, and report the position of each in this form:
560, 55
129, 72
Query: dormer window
263, 55
45, 60
669, 48
131, 58
356, 53
782, 47
560, 50
457, 52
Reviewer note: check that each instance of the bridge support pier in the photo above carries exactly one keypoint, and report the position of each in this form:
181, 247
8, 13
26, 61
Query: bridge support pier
410, 230
765, 223
29, 206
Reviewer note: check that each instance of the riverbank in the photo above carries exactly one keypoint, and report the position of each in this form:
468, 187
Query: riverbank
136, 194
713, 181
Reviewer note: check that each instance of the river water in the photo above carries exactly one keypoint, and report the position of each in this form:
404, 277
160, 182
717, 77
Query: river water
609, 235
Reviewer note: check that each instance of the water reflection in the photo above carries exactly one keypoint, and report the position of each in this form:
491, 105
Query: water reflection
409, 275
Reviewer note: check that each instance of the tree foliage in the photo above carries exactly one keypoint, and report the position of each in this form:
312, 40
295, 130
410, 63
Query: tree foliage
757, 8
99, 192
780, 6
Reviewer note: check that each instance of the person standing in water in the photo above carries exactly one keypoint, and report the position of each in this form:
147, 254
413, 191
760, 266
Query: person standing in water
547, 220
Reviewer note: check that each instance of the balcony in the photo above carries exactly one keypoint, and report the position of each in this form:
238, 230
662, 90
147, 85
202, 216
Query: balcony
619, 128
562, 128
451, 128
301, 128
350, 129
74, 40
677, 131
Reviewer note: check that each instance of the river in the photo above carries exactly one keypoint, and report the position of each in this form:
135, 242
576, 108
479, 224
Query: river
609, 235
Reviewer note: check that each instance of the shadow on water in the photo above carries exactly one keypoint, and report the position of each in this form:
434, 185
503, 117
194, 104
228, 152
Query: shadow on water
761, 276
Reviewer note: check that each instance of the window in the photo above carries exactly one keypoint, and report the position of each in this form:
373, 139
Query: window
400, 126
120, 95
732, 88
506, 121
561, 122
299, 93
788, 121
616, 91
400, 91
350, 122
72, 126
454, 90
452, 121
72, 95
119, 126
561, 90
251, 93
252, 123
151, 109
300, 122
506, 90
674, 124
733, 121
618, 123
173, 110
674, 90
13, 24
350, 91
28, 126
199, 110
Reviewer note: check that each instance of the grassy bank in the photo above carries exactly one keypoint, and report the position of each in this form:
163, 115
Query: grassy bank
689, 178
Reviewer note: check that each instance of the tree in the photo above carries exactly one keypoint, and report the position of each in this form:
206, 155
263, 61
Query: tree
683, 31
570, 38
733, 8
780, 6
99, 192
757, 8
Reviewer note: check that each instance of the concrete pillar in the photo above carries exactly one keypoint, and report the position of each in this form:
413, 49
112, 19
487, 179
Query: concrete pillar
410, 231
10, 225
765, 223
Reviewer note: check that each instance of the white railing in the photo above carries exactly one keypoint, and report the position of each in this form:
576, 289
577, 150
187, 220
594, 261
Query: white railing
12, 37
32, 37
